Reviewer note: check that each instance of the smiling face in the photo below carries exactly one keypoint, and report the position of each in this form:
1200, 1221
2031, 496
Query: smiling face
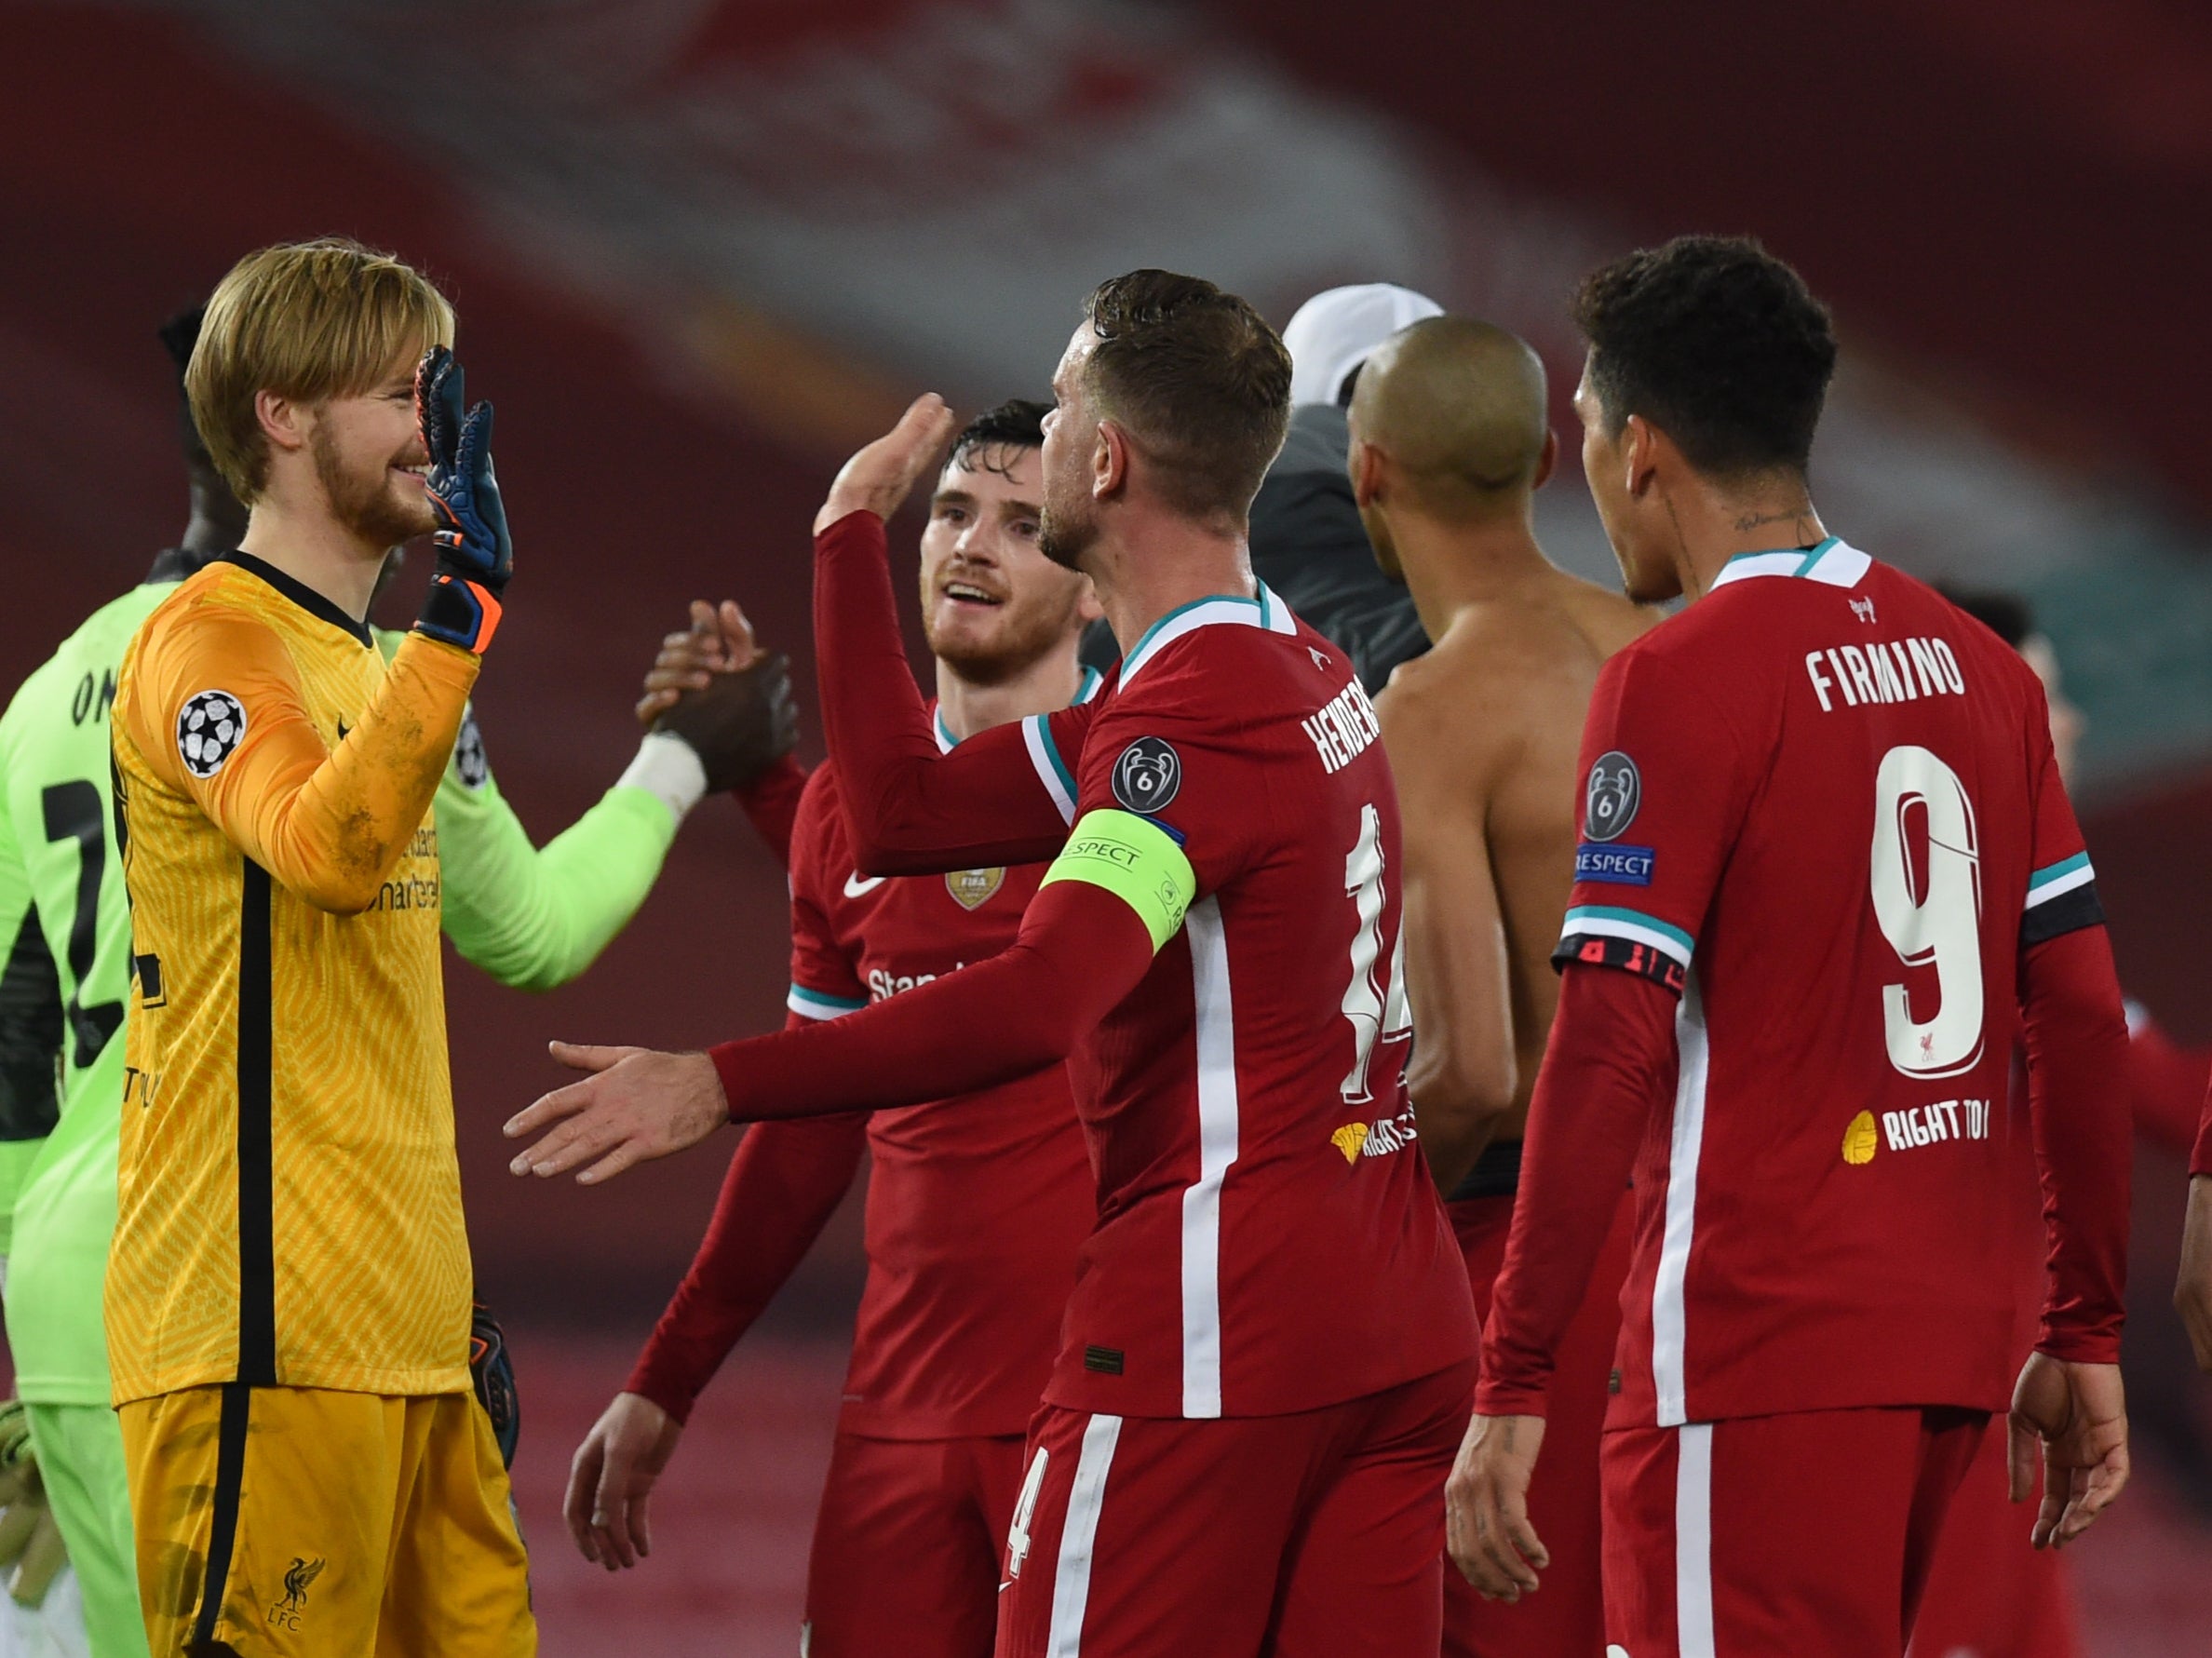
993, 604
370, 462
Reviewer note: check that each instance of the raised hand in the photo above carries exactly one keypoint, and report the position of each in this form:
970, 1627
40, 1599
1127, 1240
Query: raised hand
637, 1105
881, 475
476, 556
2078, 1414
612, 1476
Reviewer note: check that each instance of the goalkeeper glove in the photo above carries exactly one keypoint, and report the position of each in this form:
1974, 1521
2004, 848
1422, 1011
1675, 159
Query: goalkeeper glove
493, 1373
740, 726
475, 554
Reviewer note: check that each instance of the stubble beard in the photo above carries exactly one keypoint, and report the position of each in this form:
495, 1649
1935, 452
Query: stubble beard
1013, 649
1064, 535
365, 506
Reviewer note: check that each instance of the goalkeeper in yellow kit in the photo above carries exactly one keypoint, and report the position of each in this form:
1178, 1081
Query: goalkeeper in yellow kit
288, 1295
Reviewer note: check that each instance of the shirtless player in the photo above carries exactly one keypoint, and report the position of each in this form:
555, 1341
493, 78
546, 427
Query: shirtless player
1450, 444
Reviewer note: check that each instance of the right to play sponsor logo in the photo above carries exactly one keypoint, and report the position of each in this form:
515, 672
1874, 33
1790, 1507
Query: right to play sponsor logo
1375, 1139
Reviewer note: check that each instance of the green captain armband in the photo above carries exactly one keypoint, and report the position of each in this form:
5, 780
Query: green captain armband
1137, 861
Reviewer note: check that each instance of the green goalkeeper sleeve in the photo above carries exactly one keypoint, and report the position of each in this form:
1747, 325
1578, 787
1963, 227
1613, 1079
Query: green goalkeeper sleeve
536, 917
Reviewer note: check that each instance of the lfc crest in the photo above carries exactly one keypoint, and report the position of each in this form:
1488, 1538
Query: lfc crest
970, 888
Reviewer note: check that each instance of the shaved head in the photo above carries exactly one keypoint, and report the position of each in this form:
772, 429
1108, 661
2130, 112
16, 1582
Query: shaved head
1459, 408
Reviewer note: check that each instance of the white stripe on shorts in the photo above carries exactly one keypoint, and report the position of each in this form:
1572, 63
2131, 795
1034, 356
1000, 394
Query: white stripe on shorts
1693, 1540
1079, 1533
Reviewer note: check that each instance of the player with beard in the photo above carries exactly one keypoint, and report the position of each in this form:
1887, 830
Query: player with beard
976, 1204
1448, 445
1268, 1349
288, 1296
531, 917
1856, 875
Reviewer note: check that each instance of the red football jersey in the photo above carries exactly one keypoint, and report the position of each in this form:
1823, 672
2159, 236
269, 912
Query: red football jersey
1822, 804
976, 1204
1269, 1239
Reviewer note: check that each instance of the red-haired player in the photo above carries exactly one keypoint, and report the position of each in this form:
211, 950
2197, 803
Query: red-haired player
976, 1204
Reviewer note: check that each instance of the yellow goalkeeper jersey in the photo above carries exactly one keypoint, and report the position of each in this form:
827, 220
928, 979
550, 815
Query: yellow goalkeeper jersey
290, 1201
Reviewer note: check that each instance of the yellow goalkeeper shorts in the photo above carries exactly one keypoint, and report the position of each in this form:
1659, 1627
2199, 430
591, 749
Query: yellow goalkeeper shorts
300, 1521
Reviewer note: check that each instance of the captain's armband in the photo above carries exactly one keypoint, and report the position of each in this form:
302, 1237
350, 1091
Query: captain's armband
1137, 861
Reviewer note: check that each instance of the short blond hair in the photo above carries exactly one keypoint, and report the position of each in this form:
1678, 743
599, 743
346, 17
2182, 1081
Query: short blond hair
307, 321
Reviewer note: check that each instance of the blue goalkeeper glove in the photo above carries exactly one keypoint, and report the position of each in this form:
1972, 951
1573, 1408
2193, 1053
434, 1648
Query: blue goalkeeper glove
475, 554
493, 1372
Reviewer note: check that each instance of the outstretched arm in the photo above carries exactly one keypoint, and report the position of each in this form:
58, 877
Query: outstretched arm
908, 808
1111, 900
536, 917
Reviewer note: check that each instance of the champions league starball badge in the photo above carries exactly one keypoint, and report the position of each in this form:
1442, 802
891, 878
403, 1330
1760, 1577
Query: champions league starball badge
209, 729
1147, 775
1615, 791
469, 752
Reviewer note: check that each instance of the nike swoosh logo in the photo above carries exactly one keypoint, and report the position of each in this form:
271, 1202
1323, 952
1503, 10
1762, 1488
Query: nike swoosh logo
858, 885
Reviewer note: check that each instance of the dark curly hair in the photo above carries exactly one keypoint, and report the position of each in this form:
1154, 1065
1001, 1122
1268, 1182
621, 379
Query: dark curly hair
1016, 424
1199, 380
1717, 344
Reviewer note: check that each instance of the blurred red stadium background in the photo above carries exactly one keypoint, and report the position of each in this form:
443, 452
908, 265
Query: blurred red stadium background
2003, 204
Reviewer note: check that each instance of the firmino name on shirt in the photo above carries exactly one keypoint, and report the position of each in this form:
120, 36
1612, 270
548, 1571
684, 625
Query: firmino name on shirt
1344, 726
1895, 670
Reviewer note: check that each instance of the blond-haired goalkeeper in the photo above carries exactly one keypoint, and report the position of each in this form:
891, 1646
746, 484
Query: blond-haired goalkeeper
288, 1290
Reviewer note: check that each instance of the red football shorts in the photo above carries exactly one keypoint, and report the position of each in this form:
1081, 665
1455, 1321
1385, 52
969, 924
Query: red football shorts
906, 1547
1566, 1617
1809, 1534
1991, 1594
1315, 1535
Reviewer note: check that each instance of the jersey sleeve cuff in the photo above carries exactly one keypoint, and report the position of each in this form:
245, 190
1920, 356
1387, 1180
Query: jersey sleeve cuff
2078, 1347
1506, 1397
821, 1004
650, 1379
2061, 898
1607, 936
729, 1065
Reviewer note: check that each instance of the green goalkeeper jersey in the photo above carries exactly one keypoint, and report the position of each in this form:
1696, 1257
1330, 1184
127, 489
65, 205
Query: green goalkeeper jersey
530, 917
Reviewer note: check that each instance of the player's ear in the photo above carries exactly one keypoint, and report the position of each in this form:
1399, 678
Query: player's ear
1110, 461
1639, 454
1087, 604
1363, 464
1547, 460
283, 421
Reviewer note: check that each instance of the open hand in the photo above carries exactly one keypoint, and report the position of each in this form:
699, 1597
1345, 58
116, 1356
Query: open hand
2079, 1415
612, 1475
637, 1105
881, 475
1486, 1507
